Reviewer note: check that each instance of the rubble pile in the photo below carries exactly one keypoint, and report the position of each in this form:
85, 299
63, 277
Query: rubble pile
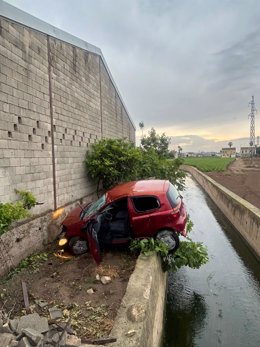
32, 330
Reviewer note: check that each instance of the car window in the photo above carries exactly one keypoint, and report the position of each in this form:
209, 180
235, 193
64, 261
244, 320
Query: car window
173, 196
146, 203
94, 207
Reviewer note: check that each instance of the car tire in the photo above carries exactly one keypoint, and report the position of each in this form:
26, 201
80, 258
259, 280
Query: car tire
78, 245
169, 237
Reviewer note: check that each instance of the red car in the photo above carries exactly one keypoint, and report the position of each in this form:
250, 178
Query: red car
139, 209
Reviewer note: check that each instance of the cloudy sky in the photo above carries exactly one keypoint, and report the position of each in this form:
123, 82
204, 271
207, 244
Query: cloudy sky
185, 67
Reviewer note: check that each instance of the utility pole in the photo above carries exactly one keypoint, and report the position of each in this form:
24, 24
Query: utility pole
251, 116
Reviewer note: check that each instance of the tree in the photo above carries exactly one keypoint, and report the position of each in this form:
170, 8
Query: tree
112, 161
159, 143
230, 144
141, 126
179, 151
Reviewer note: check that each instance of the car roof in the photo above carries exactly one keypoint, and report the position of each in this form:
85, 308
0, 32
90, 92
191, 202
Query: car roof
137, 188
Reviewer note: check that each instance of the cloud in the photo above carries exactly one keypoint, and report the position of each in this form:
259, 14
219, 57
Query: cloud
183, 66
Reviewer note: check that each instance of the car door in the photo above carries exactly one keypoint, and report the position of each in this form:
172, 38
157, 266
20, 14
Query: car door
140, 209
93, 242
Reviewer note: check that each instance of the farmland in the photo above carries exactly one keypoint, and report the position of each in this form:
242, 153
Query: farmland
209, 164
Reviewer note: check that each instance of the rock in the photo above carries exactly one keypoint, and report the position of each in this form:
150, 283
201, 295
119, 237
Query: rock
41, 303
13, 324
105, 279
136, 313
24, 342
90, 291
5, 329
55, 313
34, 336
14, 343
73, 341
97, 277
33, 321
130, 333
5, 339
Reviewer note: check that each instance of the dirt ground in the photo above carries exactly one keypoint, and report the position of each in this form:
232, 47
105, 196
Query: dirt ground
64, 284
242, 178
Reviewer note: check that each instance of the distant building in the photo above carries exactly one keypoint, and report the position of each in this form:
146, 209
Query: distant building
247, 151
229, 152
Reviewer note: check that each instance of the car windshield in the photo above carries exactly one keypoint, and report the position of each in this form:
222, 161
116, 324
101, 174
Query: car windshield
94, 207
173, 196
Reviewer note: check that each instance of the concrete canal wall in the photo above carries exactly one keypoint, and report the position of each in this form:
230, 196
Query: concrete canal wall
244, 216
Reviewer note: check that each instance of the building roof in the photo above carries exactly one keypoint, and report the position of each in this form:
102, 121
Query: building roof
228, 149
13, 13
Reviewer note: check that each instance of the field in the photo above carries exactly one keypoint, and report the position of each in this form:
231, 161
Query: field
209, 164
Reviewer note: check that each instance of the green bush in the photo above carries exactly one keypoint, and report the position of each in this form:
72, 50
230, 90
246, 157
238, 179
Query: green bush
112, 161
13, 211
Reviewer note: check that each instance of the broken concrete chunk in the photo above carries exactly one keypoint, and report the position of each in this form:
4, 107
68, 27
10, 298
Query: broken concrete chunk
13, 324
34, 336
73, 341
5, 329
41, 303
14, 343
55, 313
105, 279
90, 291
97, 277
24, 342
33, 321
5, 339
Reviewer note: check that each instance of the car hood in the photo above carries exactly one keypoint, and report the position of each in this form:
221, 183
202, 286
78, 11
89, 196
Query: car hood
74, 216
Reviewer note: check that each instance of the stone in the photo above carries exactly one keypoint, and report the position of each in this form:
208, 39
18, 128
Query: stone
5, 329
24, 342
41, 303
55, 313
90, 291
105, 279
136, 313
97, 277
73, 341
14, 343
34, 336
33, 321
13, 324
5, 339
130, 333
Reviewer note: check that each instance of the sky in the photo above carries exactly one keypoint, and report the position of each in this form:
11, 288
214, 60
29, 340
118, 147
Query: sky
185, 67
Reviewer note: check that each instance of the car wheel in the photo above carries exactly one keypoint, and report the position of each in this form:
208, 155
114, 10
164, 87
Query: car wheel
170, 238
78, 245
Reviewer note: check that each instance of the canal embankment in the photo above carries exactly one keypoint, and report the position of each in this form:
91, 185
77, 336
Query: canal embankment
244, 216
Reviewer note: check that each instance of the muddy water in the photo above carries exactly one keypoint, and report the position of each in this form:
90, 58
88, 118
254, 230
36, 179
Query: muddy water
219, 304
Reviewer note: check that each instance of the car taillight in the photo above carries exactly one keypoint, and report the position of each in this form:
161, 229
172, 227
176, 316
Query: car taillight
175, 211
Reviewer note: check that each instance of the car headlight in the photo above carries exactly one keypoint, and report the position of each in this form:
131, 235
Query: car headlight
63, 241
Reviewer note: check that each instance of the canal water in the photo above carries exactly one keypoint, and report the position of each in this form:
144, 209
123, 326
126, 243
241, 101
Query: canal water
218, 304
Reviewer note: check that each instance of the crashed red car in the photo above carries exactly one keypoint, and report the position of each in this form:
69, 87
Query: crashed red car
138, 209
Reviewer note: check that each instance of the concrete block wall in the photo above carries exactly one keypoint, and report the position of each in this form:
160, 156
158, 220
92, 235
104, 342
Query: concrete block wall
25, 149
56, 99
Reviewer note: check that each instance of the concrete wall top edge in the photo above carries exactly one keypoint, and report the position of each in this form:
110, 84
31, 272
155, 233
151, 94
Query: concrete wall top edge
13, 13
240, 200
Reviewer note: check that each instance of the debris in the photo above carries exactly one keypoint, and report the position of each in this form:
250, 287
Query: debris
41, 303
33, 321
25, 297
13, 324
5, 339
5, 329
105, 279
102, 341
33, 336
130, 333
73, 341
97, 277
24, 342
90, 291
55, 312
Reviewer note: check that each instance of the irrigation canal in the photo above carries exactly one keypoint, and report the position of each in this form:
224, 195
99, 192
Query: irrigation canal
218, 304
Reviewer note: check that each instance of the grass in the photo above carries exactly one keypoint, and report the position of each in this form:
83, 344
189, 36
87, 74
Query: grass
209, 164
